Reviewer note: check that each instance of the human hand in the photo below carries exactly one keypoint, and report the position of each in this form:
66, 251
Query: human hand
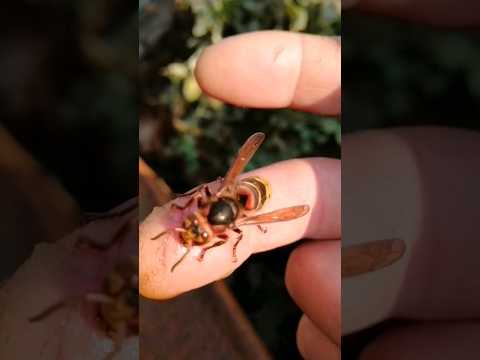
61, 272
402, 183
418, 184
271, 70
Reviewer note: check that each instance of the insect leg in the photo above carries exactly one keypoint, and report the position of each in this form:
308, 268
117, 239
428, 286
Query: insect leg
48, 311
197, 196
204, 250
73, 301
187, 204
202, 202
208, 192
181, 259
239, 238
262, 229
99, 298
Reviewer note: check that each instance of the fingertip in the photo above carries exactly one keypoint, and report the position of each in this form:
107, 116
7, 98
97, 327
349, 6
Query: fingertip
274, 69
313, 280
302, 336
293, 270
244, 69
157, 257
312, 343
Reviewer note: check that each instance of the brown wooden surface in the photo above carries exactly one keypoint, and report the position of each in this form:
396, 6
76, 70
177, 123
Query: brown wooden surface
206, 323
203, 324
35, 208
152, 190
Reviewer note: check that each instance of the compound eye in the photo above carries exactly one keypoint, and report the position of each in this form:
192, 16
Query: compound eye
205, 235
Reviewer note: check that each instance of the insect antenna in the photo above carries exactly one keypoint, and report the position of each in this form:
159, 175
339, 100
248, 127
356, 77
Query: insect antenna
159, 235
167, 231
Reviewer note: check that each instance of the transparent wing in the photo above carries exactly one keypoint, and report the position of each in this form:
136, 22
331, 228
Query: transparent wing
371, 256
285, 214
244, 155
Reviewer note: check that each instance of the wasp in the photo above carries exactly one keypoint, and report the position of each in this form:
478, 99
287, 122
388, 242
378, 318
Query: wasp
117, 304
218, 214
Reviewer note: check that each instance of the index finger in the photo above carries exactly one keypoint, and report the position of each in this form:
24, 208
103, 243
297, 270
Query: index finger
316, 183
274, 69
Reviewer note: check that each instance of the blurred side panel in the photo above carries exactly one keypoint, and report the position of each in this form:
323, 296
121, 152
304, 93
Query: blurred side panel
410, 165
68, 160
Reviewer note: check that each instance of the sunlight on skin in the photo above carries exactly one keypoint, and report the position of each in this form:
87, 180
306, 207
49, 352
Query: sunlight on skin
317, 186
313, 279
313, 343
302, 72
291, 70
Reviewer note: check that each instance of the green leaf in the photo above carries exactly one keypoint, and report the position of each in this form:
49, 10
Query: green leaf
176, 72
298, 16
191, 91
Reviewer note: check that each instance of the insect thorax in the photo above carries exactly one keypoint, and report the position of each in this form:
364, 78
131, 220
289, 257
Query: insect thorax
223, 211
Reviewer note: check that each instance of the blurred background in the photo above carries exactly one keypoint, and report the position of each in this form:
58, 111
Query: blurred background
189, 138
69, 93
400, 73
68, 145
70, 101
68, 110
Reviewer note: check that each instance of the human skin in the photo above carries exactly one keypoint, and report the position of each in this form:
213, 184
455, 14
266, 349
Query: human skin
317, 187
313, 271
312, 334
452, 285
57, 272
418, 184
285, 70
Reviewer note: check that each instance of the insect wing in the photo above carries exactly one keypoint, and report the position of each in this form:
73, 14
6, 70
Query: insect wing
285, 214
244, 155
372, 256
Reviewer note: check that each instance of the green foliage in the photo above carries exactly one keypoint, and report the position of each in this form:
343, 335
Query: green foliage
204, 133
199, 136
419, 75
